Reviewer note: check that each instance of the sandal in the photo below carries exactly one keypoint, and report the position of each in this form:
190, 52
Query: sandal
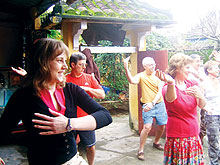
158, 146
140, 155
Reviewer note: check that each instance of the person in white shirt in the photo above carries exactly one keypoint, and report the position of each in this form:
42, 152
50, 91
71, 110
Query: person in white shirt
211, 87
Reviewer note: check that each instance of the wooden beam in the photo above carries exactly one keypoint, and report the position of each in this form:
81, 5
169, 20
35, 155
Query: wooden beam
112, 49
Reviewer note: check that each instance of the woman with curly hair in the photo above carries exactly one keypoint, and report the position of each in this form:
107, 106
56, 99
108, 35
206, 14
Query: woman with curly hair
181, 97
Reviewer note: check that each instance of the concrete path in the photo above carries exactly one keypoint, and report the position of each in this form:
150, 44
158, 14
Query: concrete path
116, 145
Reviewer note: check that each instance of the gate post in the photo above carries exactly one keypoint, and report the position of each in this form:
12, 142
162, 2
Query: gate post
137, 39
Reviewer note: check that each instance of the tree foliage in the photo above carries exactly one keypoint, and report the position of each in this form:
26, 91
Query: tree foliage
204, 53
205, 36
55, 34
111, 70
207, 32
156, 41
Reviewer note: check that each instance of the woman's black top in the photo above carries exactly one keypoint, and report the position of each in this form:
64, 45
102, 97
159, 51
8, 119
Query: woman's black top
48, 149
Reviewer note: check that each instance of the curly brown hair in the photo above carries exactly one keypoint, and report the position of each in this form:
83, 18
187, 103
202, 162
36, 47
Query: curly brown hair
178, 61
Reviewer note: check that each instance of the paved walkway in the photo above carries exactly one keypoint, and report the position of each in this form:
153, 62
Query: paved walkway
116, 145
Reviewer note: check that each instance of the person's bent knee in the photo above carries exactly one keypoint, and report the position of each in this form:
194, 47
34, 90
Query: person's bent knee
147, 127
91, 148
161, 127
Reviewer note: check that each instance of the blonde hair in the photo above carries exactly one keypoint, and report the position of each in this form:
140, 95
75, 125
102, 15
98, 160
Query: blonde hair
209, 65
178, 61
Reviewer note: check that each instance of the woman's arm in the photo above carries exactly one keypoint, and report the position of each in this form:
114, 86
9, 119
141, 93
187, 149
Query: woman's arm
201, 102
90, 106
99, 116
196, 92
58, 123
170, 94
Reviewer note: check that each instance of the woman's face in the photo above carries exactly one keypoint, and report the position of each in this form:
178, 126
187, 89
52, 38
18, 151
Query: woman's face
183, 72
58, 67
196, 63
214, 71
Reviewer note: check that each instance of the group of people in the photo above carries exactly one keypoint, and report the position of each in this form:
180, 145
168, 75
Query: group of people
49, 107
55, 108
186, 90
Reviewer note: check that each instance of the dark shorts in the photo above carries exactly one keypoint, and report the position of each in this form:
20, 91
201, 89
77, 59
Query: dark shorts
87, 138
158, 112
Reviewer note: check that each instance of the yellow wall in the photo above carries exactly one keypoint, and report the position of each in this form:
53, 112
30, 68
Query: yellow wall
67, 31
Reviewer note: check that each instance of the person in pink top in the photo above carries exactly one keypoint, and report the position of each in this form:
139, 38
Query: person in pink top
47, 106
92, 87
181, 97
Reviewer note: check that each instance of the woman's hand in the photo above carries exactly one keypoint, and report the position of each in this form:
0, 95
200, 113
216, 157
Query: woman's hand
194, 91
19, 71
170, 94
2, 162
54, 125
164, 77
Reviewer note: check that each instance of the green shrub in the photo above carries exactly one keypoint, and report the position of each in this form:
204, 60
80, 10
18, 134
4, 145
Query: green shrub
112, 71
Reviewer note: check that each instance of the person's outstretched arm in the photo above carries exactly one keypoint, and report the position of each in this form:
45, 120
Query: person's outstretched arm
19, 71
170, 95
131, 79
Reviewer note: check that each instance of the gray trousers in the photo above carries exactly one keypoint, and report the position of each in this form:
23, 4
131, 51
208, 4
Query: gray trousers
212, 130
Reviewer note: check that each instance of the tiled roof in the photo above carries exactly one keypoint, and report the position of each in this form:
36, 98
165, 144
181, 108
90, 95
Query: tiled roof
122, 9
131, 11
